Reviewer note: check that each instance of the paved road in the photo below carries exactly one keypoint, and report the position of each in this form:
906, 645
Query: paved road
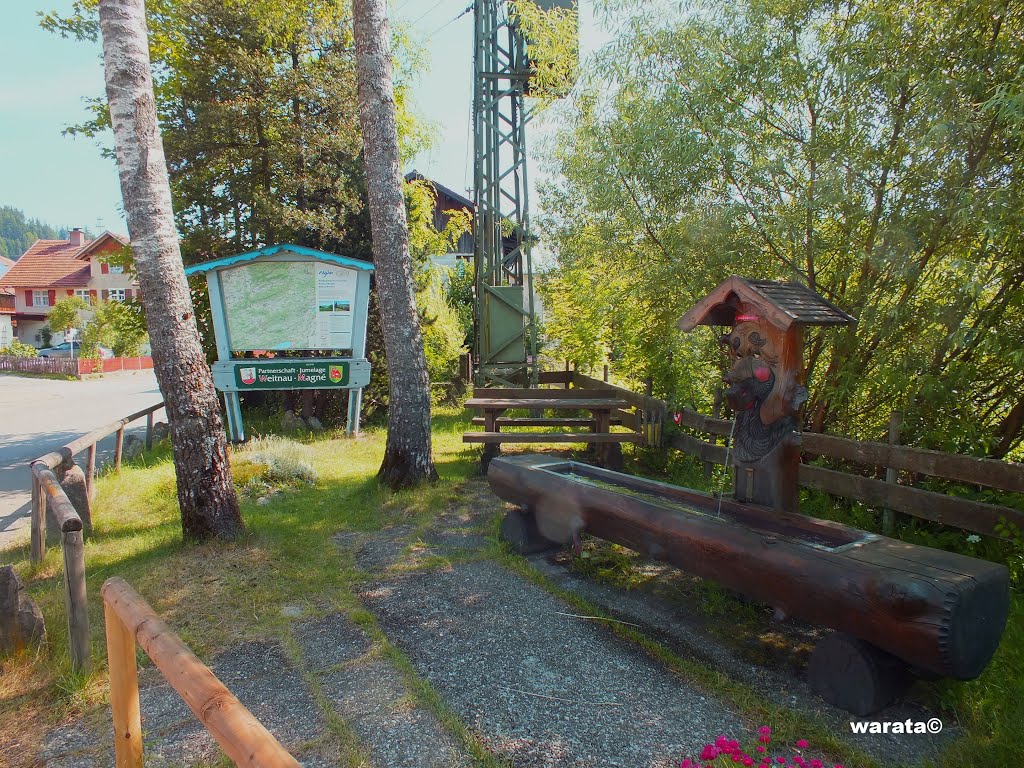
40, 415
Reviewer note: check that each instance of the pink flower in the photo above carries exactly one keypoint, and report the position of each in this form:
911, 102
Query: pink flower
761, 748
734, 745
709, 753
780, 760
817, 764
721, 742
748, 761
802, 743
764, 734
736, 758
687, 763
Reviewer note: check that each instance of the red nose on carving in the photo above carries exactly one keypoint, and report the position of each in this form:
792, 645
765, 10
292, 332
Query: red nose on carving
761, 373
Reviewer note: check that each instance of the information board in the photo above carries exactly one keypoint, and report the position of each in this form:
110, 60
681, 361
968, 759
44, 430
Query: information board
278, 305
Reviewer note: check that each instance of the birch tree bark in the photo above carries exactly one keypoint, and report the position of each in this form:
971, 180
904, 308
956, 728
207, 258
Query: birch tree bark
407, 458
206, 496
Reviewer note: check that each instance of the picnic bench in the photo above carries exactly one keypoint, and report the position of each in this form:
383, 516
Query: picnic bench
493, 403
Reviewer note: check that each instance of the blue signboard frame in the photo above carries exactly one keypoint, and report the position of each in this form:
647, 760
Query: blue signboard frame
226, 371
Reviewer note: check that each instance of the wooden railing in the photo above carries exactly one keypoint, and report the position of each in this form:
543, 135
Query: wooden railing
651, 414
129, 619
49, 472
938, 507
63, 366
647, 416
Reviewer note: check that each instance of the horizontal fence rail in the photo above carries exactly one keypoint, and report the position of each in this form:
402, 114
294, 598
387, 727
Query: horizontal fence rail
53, 476
130, 620
963, 513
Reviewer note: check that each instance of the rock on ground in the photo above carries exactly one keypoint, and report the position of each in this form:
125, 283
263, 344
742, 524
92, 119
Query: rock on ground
21, 622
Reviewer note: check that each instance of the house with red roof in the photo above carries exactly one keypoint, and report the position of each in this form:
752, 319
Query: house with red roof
52, 269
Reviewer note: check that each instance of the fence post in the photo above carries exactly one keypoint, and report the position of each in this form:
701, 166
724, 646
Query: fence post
892, 474
716, 411
124, 691
75, 599
567, 382
149, 431
38, 520
606, 374
90, 469
118, 448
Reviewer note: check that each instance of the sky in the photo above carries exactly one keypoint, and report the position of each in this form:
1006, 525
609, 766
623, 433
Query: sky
65, 181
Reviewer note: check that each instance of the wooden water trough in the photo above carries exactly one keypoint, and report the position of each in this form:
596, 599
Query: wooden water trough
896, 607
902, 607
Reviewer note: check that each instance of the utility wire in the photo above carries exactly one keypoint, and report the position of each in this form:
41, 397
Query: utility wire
432, 9
449, 23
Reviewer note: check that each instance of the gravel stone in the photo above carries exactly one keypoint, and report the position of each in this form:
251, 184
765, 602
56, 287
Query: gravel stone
330, 640
541, 688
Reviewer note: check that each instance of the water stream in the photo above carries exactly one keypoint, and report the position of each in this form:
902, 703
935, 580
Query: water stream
725, 468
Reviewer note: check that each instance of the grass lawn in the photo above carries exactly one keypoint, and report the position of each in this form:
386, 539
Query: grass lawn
215, 596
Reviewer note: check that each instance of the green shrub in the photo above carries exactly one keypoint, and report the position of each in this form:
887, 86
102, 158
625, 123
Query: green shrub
286, 460
19, 349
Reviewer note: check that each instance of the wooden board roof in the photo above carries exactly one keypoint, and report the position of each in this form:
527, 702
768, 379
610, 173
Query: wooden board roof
782, 304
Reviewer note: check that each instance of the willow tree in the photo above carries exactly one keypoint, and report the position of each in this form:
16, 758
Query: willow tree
407, 456
870, 149
206, 495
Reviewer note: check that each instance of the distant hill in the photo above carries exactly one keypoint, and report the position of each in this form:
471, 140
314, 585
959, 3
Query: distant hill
17, 233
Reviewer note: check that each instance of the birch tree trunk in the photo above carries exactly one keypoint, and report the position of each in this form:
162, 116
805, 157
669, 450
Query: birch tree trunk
206, 496
407, 458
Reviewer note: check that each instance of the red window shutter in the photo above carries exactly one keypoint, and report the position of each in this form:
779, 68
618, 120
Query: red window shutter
92, 297
105, 268
28, 298
71, 291
105, 294
51, 298
128, 294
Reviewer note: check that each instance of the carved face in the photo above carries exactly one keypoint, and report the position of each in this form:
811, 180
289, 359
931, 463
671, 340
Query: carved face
751, 378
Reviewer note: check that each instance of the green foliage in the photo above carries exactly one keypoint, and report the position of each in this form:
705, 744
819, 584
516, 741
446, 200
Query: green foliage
459, 295
440, 321
870, 150
17, 233
68, 312
19, 349
552, 46
443, 337
258, 110
121, 326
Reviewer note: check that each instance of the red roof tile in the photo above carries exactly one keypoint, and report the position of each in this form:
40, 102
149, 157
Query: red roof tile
52, 264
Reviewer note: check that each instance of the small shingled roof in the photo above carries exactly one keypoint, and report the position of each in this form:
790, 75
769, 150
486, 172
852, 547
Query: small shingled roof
783, 304
272, 250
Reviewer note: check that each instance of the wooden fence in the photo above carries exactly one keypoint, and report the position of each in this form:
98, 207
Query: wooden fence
50, 473
968, 514
130, 620
889, 495
63, 366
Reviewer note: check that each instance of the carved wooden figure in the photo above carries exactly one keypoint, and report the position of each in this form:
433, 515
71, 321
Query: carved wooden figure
765, 384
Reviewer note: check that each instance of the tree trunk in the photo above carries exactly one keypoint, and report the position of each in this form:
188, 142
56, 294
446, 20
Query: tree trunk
206, 496
407, 458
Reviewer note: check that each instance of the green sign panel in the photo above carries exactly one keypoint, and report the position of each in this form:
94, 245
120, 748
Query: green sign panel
297, 374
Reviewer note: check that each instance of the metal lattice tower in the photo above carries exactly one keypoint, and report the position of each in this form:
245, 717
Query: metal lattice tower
505, 343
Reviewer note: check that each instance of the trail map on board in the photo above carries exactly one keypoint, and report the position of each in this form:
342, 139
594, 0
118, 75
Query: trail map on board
289, 305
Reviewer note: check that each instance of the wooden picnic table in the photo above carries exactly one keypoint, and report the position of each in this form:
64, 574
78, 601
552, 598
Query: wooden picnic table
600, 407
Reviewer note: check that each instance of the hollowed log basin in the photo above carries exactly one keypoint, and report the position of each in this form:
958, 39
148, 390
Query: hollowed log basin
939, 612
